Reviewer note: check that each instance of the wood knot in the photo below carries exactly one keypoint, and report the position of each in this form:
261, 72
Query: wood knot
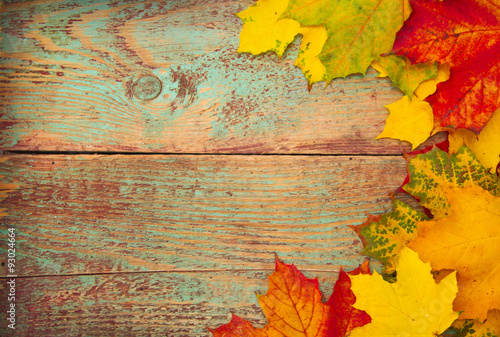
146, 87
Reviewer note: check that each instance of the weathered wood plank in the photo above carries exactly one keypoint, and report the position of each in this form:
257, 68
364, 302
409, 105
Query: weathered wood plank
102, 214
69, 71
140, 304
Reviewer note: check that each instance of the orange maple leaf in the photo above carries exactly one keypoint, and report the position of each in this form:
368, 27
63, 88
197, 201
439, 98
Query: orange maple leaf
466, 35
468, 240
293, 307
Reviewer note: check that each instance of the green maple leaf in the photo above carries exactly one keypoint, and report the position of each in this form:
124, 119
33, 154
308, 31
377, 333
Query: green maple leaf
432, 172
384, 236
359, 31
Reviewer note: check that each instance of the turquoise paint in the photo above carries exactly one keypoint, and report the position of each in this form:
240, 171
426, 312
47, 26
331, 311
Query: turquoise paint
178, 218
154, 303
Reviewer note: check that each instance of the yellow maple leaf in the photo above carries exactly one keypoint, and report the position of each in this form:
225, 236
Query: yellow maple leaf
413, 306
313, 39
413, 120
468, 240
408, 120
486, 146
263, 30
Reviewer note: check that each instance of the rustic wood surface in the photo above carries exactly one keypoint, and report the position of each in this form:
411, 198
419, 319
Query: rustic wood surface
158, 171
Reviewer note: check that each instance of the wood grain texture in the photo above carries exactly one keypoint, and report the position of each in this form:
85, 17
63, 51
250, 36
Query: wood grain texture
68, 69
144, 304
123, 213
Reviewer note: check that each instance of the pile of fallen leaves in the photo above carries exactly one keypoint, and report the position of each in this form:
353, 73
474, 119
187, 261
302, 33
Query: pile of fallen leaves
441, 266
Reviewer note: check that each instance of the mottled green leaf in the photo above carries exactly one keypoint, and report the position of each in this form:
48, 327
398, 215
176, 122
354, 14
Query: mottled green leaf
475, 328
432, 172
384, 236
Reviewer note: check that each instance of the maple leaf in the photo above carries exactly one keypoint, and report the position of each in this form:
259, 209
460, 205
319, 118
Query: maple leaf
413, 306
293, 307
313, 39
486, 146
384, 236
467, 240
466, 35
263, 30
343, 317
403, 74
408, 120
358, 31
237, 327
293, 304
475, 328
434, 171
413, 120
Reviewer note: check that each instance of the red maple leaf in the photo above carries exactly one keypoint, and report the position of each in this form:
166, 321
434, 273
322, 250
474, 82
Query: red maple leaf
293, 307
343, 317
466, 35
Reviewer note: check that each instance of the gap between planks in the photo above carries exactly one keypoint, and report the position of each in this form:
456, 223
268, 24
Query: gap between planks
20, 152
180, 271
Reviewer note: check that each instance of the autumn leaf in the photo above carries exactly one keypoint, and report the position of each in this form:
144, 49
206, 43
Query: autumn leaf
358, 32
467, 240
434, 171
413, 306
263, 30
293, 307
343, 317
293, 304
443, 146
486, 146
237, 327
313, 39
403, 74
384, 236
408, 120
466, 35
413, 120
476, 328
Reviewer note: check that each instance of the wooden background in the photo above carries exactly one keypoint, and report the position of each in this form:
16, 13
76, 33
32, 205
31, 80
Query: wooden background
159, 217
